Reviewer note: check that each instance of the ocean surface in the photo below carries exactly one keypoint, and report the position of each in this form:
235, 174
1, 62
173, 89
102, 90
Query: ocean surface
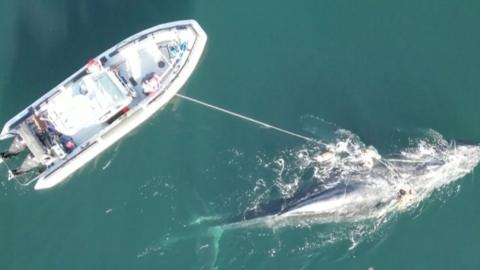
370, 80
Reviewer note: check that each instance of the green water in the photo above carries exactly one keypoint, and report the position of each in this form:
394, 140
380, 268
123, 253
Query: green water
371, 67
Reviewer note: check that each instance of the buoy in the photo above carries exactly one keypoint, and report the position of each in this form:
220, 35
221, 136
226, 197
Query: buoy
93, 66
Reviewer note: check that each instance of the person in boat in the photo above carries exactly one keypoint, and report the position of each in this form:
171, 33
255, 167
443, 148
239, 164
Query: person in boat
68, 143
151, 83
40, 127
46, 131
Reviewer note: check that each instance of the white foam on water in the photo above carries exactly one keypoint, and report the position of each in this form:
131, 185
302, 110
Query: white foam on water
427, 165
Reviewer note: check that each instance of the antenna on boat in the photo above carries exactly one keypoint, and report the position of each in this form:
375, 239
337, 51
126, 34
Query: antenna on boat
263, 124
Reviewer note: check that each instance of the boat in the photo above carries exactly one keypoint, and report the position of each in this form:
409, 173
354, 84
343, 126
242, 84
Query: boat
103, 101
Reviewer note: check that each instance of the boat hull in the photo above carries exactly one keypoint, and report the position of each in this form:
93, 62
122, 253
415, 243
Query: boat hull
131, 119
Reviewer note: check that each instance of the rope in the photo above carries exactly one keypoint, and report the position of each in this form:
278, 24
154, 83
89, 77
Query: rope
263, 124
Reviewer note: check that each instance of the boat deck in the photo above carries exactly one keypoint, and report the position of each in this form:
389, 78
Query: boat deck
81, 106
104, 100
80, 109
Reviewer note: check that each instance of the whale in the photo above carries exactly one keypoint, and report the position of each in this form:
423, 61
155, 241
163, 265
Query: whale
344, 201
348, 199
358, 184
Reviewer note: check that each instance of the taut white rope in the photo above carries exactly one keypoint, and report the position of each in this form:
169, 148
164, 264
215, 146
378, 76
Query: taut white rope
246, 118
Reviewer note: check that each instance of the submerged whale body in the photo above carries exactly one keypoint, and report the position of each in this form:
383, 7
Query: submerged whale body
340, 203
299, 200
350, 182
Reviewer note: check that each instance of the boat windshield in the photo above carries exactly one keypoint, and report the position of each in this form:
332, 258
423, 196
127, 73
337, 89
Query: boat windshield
108, 88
